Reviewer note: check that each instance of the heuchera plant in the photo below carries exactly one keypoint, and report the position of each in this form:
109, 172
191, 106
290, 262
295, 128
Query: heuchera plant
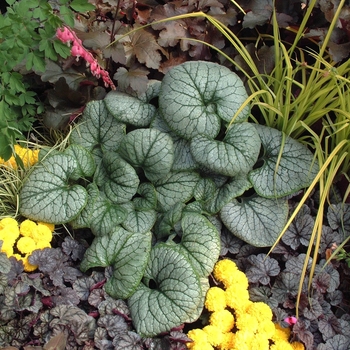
155, 183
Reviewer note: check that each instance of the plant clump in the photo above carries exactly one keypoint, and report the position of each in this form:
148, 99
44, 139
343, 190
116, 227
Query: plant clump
236, 322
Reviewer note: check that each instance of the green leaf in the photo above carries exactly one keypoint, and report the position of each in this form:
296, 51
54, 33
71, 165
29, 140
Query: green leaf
256, 220
177, 293
81, 6
116, 178
237, 153
139, 221
98, 129
200, 243
105, 215
149, 149
128, 253
129, 109
235, 187
47, 194
176, 187
195, 97
295, 169
147, 197
85, 163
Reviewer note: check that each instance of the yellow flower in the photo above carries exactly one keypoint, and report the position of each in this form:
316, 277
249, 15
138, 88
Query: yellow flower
7, 249
237, 298
27, 227
261, 342
42, 233
267, 328
43, 244
26, 245
281, 333
50, 226
215, 335
223, 319
200, 340
28, 157
260, 310
246, 321
224, 269
228, 341
297, 345
8, 222
215, 299
281, 345
28, 267
9, 234
243, 340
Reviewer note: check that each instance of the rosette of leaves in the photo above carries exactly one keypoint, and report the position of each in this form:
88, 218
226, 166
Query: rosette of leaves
155, 181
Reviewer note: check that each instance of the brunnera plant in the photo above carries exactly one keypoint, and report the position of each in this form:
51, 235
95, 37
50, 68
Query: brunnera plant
156, 184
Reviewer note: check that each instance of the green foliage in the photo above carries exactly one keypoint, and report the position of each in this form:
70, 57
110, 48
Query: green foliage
27, 40
125, 178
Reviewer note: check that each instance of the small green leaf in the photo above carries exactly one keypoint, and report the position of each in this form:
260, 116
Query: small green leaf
98, 129
48, 196
296, 168
85, 163
177, 293
237, 153
129, 109
176, 187
128, 253
195, 97
117, 178
256, 220
200, 243
147, 197
149, 149
139, 221
81, 6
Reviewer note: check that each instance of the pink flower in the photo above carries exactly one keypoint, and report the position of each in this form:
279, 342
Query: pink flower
291, 320
66, 35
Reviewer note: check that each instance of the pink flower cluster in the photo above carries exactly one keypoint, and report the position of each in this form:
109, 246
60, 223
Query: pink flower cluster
66, 35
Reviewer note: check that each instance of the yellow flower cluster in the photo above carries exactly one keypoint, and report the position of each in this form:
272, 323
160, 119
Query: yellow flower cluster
28, 156
235, 322
20, 240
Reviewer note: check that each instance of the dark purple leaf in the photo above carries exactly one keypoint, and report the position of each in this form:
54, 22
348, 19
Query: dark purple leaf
321, 282
262, 267
73, 248
229, 243
301, 330
128, 341
314, 310
114, 324
329, 327
101, 339
338, 342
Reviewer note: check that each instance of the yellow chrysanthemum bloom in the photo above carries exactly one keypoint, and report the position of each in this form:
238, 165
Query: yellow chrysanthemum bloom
43, 245
215, 335
7, 248
51, 227
243, 340
9, 234
215, 299
224, 270
26, 245
297, 345
228, 341
281, 345
261, 342
28, 267
8, 222
237, 298
28, 156
260, 310
42, 233
223, 319
27, 227
200, 340
281, 333
246, 321
267, 328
